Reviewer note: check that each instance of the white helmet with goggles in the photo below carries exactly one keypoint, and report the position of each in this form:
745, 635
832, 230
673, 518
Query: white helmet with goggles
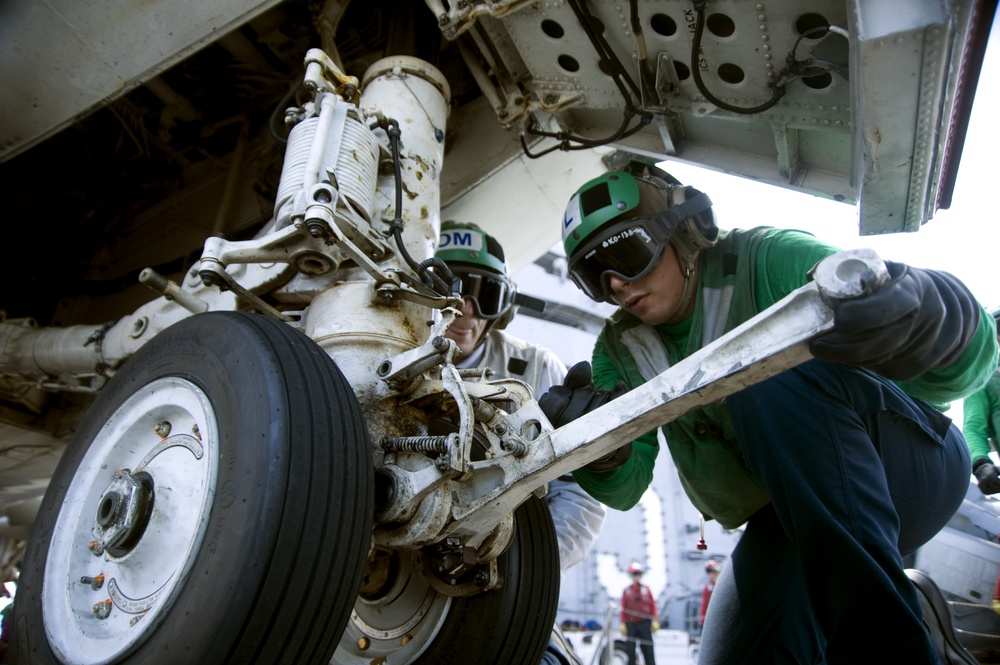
477, 261
621, 222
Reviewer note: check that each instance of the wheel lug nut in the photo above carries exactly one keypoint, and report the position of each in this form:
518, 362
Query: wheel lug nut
102, 610
95, 582
95, 548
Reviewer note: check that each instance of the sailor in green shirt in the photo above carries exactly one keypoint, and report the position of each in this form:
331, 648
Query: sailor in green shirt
982, 423
837, 468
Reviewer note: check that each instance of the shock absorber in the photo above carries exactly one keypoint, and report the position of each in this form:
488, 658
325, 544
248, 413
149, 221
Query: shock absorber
329, 143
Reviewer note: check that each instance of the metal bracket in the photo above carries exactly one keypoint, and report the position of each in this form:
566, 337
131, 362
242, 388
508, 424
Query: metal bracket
213, 272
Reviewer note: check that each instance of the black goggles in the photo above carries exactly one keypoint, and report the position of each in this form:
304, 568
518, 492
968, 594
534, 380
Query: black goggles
491, 294
628, 250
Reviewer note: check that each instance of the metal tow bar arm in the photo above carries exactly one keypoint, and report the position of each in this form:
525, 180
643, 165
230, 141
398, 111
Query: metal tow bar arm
771, 342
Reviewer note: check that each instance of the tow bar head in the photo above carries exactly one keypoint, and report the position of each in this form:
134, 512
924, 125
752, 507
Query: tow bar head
849, 274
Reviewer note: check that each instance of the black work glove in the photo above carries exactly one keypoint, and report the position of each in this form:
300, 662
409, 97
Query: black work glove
919, 321
577, 396
987, 474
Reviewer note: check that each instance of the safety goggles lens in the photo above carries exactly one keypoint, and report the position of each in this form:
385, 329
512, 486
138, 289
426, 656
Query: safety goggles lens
627, 250
490, 294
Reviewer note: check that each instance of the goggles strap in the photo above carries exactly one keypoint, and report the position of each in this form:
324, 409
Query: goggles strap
691, 207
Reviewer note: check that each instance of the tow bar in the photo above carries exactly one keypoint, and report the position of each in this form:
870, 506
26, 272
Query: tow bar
771, 342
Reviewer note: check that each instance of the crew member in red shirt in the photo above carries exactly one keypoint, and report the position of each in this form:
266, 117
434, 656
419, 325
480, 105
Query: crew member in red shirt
639, 616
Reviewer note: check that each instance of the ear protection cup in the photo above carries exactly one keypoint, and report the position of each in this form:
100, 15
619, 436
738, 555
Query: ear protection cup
698, 231
504, 319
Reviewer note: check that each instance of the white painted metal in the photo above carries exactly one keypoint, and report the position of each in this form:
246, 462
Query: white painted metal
400, 626
144, 581
60, 59
875, 128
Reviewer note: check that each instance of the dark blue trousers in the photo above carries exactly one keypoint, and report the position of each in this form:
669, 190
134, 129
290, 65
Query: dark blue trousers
640, 634
859, 474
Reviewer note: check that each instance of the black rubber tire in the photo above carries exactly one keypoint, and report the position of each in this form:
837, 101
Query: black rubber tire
276, 577
511, 624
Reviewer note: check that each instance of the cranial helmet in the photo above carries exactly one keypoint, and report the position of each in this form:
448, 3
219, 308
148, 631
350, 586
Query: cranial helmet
477, 261
620, 223
634, 567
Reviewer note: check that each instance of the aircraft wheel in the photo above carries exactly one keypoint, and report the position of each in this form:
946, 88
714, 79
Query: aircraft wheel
215, 506
403, 619
619, 655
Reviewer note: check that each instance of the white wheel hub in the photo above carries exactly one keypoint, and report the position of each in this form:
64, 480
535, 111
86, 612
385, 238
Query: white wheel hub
134, 517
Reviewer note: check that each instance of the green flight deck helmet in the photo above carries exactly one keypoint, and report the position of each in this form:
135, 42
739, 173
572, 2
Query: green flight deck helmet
620, 223
477, 261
